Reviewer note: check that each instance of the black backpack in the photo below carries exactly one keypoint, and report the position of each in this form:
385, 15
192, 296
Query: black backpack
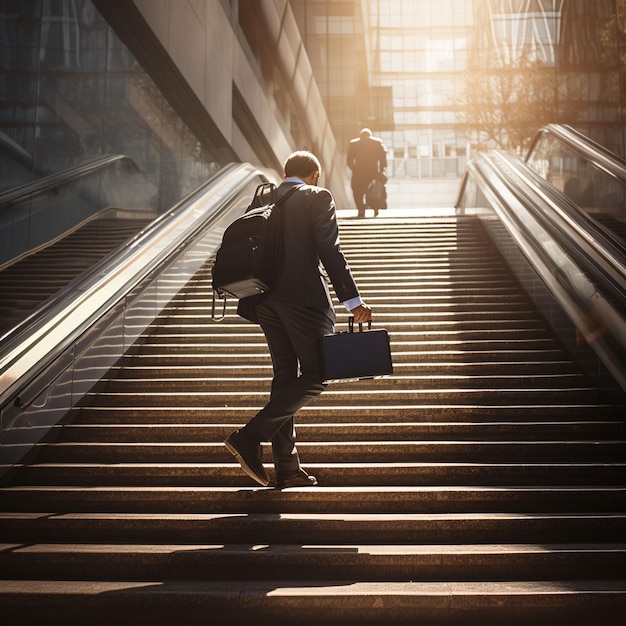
246, 261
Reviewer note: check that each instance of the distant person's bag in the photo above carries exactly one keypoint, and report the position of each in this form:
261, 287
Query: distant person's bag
376, 195
356, 356
246, 261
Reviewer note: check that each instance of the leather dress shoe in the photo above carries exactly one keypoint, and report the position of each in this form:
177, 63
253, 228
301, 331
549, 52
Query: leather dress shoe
295, 479
248, 453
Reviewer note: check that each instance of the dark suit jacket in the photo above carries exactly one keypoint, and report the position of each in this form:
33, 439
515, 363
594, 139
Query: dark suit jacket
311, 237
366, 157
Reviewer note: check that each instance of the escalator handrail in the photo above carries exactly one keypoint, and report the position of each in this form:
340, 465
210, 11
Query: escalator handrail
59, 179
86, 299
566, 219
598, 155
547, 243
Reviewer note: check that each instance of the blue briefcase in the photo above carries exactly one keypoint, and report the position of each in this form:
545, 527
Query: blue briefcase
362, 355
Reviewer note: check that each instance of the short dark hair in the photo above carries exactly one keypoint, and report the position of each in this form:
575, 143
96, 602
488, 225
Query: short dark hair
301, 164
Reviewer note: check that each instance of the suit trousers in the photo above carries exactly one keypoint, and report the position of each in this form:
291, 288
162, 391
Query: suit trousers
359, 189
293, 336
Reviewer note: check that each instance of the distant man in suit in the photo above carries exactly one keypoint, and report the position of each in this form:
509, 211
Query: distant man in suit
367, 158
294, 315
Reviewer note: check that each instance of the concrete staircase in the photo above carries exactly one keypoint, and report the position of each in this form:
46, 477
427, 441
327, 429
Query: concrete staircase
32, 279
485, 482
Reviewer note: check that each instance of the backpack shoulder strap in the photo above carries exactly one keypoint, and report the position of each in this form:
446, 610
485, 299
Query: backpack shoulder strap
286, 195
266, 195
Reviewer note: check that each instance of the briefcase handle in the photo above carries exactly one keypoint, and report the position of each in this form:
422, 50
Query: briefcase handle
351, 324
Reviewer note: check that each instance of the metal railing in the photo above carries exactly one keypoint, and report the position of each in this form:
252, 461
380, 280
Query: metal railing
601, 157
55, 181
591, 176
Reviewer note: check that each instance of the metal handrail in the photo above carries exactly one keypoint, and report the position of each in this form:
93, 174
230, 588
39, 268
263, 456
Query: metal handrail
59, 179
567, 220
601, 157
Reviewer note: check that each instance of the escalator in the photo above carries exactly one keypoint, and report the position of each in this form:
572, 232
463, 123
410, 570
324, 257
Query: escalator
485, 482
589, 175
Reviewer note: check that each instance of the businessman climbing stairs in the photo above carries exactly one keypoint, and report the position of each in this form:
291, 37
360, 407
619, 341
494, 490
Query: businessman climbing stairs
484, 483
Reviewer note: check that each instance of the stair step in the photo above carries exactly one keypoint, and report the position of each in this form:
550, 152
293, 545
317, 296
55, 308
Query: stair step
347, 413
329, 474
367, 397
408, 306
226, 384
314, 528
245, 562
236, 499
403, 314
192, 309
143, 367
330, 602
172, 355
397, 431
188, 331
354, 452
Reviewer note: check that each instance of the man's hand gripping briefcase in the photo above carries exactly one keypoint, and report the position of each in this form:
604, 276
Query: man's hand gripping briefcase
356, 356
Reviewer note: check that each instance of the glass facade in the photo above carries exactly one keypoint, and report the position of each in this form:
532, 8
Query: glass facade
412, 70
70, 94
333, 33
420, 49
71, 91
479, 74
568, 55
